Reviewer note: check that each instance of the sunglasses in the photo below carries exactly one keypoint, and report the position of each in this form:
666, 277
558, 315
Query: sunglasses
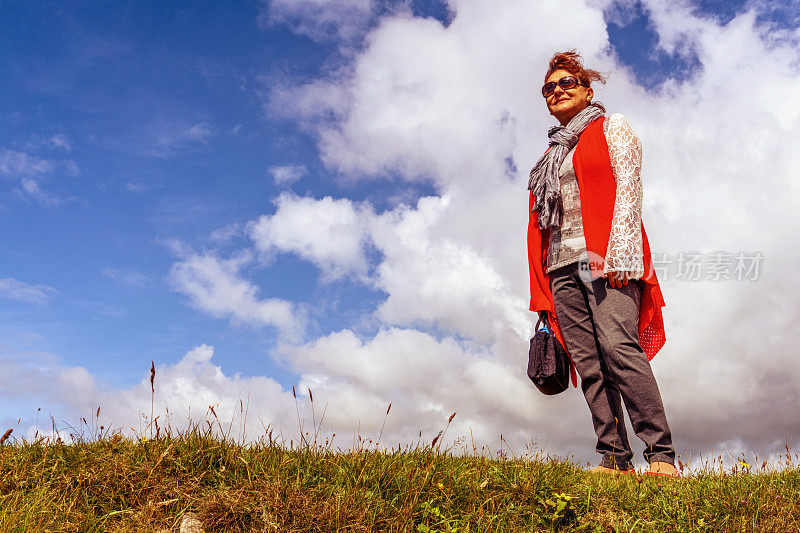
567, 82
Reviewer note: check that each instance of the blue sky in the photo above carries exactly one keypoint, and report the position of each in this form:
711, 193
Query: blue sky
164, 137
136, 136
124, 88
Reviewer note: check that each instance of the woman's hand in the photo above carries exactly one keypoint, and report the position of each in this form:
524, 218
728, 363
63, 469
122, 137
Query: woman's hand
618, 279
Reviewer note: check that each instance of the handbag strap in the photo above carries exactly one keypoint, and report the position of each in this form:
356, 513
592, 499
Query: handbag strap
546, 324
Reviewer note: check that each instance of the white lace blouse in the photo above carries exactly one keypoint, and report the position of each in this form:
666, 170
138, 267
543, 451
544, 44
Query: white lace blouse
624, 252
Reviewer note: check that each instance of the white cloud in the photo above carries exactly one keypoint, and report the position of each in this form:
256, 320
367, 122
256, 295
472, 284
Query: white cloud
353, 382
425, 379
171, 138
288, 174
183, 392
29, 188
214, 285
445, 105
16, 164
19, 291
321, 20
435, 277
60, 141
132, 279
132, 186
449, 105
431, 275
200, 132
71, 167
329, 233
30, 170
226, 233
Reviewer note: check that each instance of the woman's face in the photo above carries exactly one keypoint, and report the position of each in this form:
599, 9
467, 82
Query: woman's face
565, 104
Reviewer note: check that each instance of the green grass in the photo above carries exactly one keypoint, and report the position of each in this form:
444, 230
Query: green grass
117, 484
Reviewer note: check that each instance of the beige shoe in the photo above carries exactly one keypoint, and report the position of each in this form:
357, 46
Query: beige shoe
190, 524
659, 468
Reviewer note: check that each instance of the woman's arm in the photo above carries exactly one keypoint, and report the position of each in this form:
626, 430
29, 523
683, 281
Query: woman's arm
624, 254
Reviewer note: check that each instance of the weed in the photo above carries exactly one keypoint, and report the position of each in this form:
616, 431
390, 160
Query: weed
559, 509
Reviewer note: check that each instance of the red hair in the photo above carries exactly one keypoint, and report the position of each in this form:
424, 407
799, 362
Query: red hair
572, 62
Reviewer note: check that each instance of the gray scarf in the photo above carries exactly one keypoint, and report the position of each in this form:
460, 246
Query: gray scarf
544, 180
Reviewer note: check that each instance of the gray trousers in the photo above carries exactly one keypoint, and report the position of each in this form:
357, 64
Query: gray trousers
600, 326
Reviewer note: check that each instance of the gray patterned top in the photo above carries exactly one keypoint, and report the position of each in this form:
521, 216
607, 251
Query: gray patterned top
567, 242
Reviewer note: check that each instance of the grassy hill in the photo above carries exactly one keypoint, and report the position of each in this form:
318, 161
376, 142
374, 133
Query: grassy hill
117, 484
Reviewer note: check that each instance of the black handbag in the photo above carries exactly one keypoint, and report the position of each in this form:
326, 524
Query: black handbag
548, 363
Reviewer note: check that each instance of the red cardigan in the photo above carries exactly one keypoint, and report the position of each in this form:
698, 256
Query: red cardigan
597, 193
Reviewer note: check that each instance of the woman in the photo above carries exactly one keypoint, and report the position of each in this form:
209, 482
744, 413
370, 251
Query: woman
590, 267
